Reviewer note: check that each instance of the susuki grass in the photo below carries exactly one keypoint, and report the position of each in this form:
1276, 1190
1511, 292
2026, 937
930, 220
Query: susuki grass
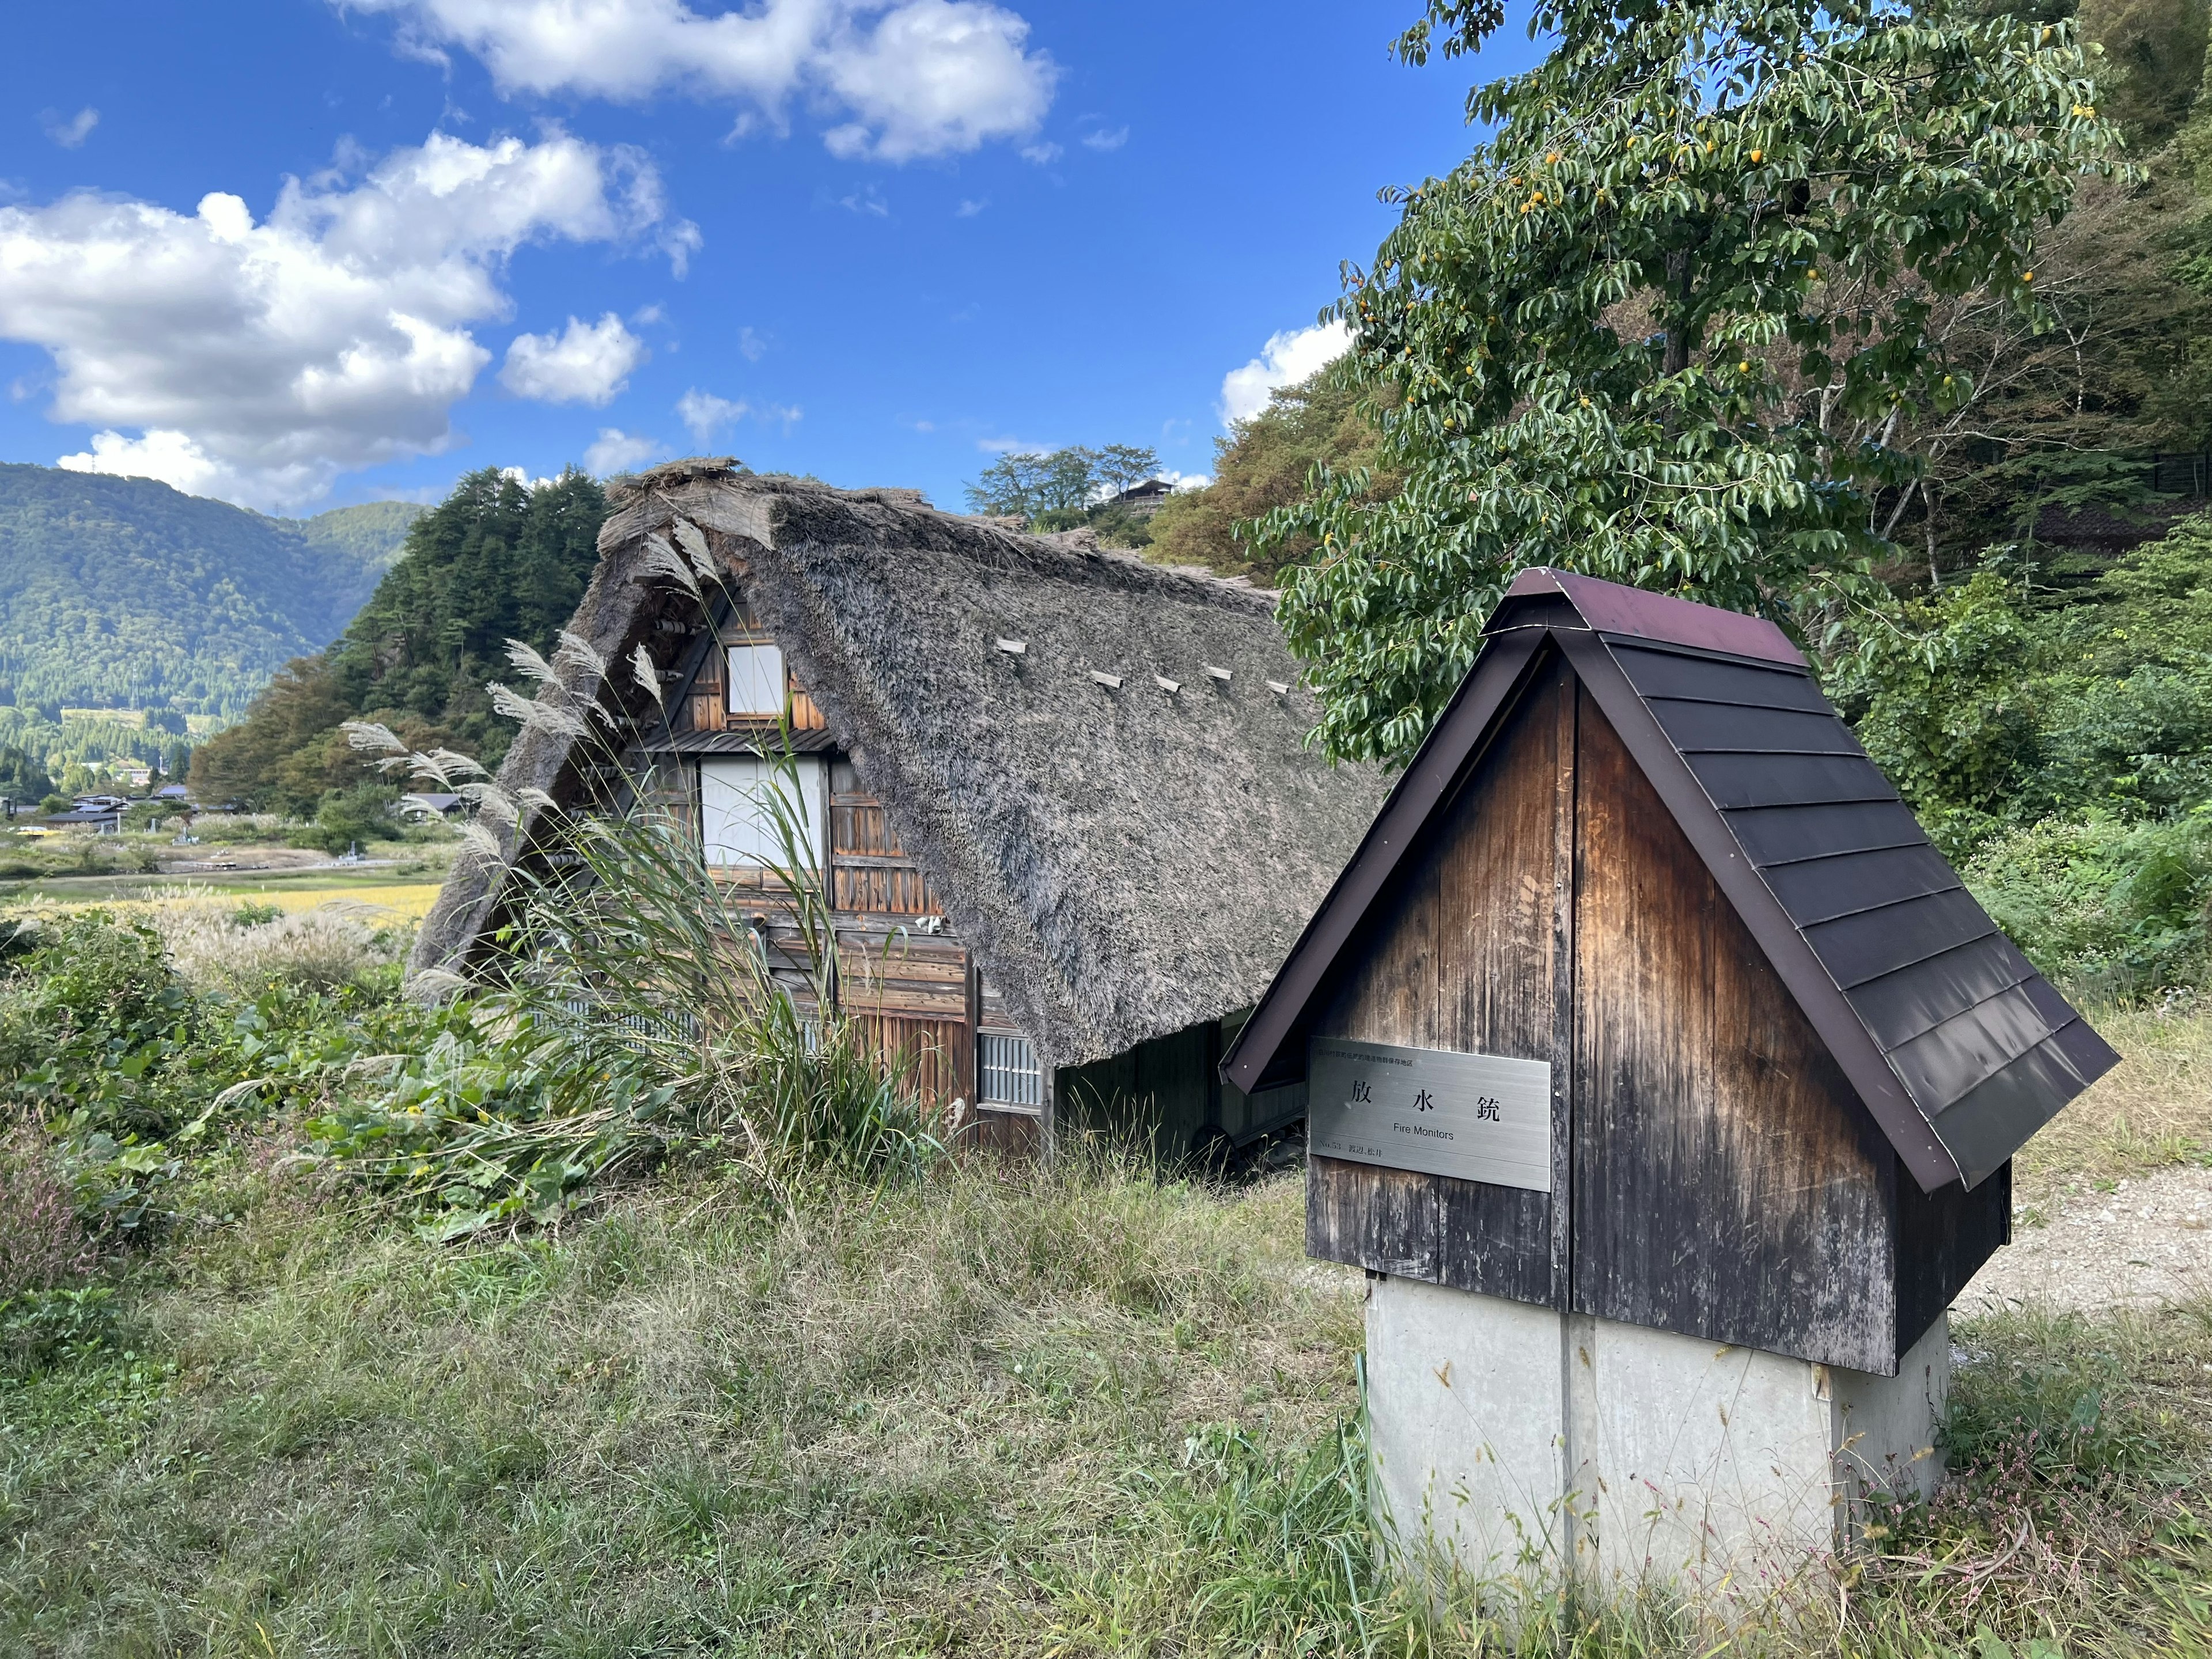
241, 950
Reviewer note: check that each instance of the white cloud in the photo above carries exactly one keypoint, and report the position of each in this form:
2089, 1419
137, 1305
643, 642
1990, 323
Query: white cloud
1285, 360
617, 451
1183, 481
1103, 140
969, 210
752, 345
869, 201
706, 415
914, 78
69, 131
588, 364
256, 361
1043, 155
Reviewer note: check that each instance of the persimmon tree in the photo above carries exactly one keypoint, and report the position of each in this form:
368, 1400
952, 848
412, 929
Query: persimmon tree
1671, 321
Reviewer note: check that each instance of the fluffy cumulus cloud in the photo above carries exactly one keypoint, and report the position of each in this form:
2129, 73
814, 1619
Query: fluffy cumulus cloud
908, 79
1286, 359
705, 414
617, 451
257, 361
588, 364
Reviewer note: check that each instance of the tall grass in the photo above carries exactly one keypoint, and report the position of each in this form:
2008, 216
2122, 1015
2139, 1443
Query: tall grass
632, 1012
1054, 1411
240, 952
2152, 1110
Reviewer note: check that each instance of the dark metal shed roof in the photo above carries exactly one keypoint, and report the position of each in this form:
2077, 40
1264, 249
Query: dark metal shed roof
1957, 1046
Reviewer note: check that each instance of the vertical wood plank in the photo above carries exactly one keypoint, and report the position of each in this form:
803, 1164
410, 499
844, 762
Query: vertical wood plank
1459, 956
1728, 1183
1384, 1220
1943, 1238
1564, 774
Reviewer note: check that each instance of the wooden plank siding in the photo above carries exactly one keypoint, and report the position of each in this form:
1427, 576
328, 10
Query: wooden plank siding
898, 973
1164, 1094
1459, 956
706, 706
912, 991
1728, 1182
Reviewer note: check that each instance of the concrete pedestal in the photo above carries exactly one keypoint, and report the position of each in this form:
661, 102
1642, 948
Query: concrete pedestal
1516, 1443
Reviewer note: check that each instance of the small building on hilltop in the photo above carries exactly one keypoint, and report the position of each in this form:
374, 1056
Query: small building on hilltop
1143, 499
1060, 801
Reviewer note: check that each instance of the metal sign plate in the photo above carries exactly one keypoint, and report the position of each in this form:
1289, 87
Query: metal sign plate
1480, 1117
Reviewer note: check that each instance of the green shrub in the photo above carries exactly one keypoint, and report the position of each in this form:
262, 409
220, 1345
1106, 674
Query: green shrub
39, 1329
362, 814
2115, 910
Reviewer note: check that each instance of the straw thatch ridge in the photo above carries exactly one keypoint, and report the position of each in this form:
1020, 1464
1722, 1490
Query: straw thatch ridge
1125, 862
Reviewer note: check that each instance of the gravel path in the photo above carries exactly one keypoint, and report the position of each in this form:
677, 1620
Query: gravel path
2145, 1243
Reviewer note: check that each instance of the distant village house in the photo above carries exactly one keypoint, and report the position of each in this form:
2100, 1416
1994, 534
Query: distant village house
1143, 499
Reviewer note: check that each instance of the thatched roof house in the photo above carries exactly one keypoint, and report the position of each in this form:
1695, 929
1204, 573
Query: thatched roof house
1075, 787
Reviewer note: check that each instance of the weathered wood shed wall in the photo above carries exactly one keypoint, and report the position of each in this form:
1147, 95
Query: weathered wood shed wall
1533, 891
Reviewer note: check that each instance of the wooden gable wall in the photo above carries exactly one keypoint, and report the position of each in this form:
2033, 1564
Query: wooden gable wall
901, 970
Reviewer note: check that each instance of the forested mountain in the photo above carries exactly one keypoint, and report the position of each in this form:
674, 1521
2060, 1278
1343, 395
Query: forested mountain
125, 593
495, 561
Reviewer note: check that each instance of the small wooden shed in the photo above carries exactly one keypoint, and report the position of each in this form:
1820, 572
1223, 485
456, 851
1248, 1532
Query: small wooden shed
1789, 1056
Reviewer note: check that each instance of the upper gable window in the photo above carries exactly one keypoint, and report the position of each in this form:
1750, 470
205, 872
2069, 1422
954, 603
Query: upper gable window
757, 680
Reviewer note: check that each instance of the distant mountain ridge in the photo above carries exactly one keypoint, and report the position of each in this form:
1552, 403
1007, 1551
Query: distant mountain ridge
125, 593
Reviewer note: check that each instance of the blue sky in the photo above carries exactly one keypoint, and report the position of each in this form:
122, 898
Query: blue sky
871, 241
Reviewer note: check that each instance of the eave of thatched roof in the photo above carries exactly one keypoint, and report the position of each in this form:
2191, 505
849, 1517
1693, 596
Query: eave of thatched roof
1124, 862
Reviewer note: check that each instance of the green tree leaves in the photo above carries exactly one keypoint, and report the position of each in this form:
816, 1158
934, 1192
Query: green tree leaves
1030, 483
1671, 323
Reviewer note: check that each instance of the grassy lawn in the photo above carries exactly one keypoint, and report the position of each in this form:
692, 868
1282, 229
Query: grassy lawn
2153, 1110
1007, 1412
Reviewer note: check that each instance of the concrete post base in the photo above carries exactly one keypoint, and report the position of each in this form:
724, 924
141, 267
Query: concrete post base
1516, 1443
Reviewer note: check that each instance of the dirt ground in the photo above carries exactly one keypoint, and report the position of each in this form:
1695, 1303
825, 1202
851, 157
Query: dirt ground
248, 857
2147, 1243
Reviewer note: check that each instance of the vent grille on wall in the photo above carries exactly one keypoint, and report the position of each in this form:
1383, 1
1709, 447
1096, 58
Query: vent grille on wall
1006, 1068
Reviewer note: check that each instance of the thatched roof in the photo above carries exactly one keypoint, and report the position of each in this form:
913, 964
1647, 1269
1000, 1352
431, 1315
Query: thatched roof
1126, 860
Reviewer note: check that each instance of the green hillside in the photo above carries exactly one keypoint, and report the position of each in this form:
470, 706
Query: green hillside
125, 593
495, 561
